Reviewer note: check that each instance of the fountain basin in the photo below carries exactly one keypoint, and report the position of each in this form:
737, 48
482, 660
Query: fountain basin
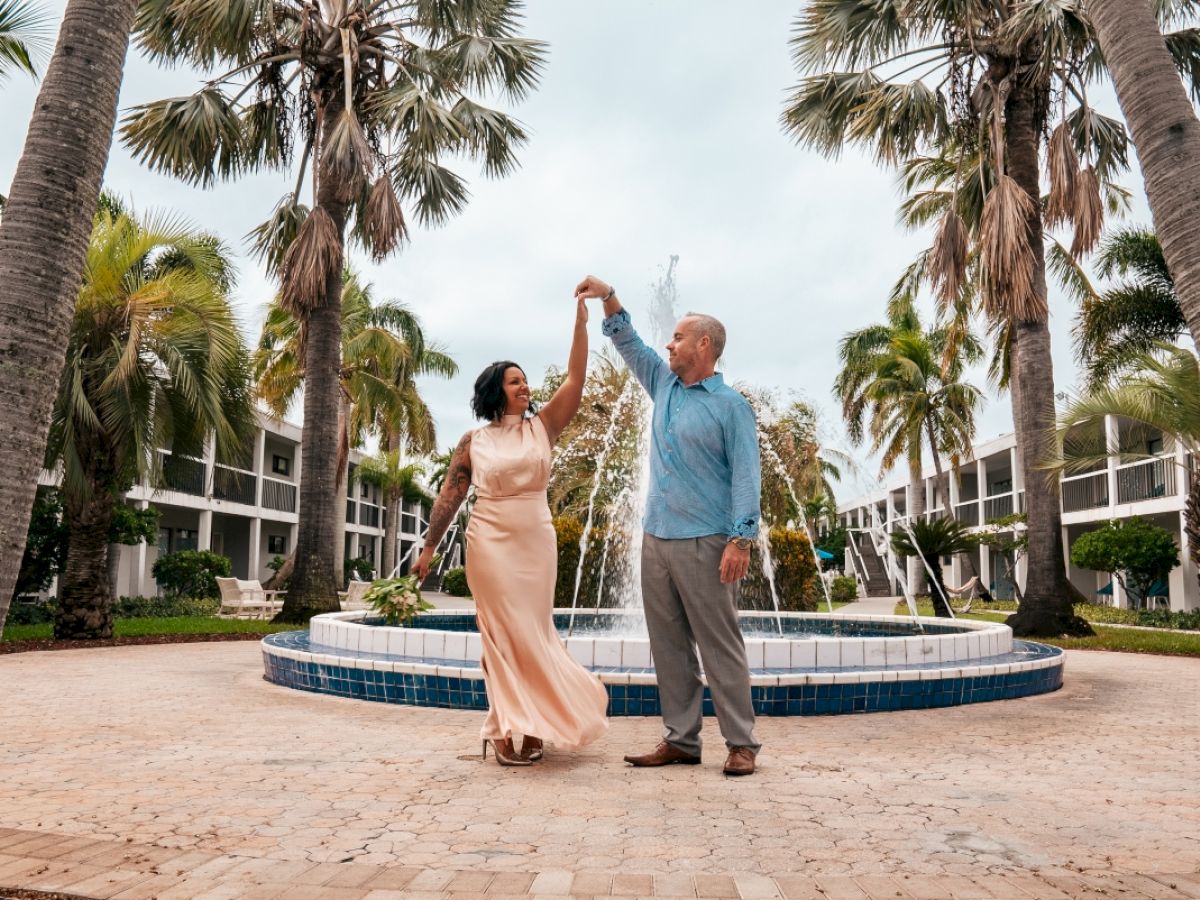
821, 665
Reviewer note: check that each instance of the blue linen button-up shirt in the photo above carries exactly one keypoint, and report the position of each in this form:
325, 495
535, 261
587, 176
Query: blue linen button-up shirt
704, 464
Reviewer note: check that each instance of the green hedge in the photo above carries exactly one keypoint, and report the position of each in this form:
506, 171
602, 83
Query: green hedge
454, 583
844, 587
124, 608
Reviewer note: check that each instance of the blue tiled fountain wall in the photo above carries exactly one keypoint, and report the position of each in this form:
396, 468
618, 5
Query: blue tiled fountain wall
1029, 669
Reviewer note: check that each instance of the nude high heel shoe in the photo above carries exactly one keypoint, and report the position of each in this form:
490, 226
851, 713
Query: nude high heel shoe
532, 748
505, 753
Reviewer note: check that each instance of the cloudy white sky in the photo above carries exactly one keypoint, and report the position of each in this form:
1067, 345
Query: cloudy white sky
654, 132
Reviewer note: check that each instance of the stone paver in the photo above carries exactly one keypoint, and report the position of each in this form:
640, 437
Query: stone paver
176, 771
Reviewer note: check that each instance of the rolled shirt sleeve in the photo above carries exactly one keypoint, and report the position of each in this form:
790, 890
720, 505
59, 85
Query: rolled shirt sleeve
744, 461
647, 366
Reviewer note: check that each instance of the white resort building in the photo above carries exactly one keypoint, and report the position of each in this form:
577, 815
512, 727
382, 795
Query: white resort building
249, 514
989, 486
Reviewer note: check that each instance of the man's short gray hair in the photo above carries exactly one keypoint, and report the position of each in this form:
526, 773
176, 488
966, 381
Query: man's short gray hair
711, 328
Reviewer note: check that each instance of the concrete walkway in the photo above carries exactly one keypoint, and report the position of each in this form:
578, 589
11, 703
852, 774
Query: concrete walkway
872, 606
175, 771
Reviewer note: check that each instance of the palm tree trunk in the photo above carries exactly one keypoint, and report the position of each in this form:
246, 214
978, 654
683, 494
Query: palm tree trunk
938, 592
315, 579
1047, 609
1191, 520
1166, 133
85, 597
43, 243
390, 530
917, 581
343, 486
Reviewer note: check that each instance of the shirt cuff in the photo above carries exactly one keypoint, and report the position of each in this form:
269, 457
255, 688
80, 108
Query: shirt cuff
745, 528
616, 323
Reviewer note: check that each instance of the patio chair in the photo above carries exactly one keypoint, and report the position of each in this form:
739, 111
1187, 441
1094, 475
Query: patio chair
353, 595
241, 599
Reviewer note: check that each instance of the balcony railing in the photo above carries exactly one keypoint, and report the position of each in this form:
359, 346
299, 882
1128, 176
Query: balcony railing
234, 485
1145, 480
1000, 505
1087, 491
967, 512
183, 474
278, 494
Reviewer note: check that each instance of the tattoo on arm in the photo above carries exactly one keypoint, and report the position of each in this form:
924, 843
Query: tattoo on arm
454, 491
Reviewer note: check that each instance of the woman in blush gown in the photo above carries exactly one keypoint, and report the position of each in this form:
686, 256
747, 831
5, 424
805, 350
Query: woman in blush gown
534, 687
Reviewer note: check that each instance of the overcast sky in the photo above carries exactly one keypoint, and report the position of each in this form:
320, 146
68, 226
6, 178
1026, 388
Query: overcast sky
655, 131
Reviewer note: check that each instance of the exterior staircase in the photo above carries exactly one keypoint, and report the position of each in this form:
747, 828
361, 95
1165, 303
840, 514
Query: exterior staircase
876, 575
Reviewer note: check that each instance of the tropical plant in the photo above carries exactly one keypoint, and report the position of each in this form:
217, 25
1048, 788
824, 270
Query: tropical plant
154, 360
795, 580
1007, 536
45, 544
1129, 319
1138, 553
1161, 394
24, 35
994, 81
1145, 69
454, 583
398, 600
843, 588
376, 95
191, 573
383, 351
70, 135
930, 541
358, 569
399, 482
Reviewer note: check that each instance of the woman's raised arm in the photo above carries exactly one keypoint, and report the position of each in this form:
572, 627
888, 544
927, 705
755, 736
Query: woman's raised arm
454, 491
561, 408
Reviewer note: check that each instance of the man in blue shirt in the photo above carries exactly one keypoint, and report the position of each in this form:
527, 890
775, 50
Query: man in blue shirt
702, 515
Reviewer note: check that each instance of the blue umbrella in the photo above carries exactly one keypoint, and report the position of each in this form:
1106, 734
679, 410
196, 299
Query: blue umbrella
824, 554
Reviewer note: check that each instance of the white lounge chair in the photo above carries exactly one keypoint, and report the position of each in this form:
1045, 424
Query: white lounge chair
246, 599
352, 597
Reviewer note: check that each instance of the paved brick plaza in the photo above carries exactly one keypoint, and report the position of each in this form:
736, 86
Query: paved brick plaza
176, 771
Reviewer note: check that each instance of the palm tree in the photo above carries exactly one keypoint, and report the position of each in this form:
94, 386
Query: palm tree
383, 351
154, 359
990, 77
69, 135
1145, 69
400, 483
1114, 329
1161, 392
24, 29
895, 386
930, 541
376, 96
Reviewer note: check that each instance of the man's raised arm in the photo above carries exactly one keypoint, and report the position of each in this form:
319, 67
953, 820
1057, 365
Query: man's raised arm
647, 366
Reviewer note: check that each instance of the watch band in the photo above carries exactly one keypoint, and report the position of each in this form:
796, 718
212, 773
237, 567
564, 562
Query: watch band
742, 543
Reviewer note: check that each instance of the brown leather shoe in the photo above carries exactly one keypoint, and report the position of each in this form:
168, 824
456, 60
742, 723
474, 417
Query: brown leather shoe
664, 755
740, 761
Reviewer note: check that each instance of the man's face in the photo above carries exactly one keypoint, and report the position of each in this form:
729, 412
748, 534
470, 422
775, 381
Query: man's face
687, 351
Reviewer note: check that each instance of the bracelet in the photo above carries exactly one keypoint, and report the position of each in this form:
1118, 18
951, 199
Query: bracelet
611, 293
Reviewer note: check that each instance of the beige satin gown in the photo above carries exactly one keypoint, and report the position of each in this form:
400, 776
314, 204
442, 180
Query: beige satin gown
534, 686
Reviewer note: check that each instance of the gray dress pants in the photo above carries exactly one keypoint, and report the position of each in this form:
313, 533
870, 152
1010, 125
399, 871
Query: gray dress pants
688, 607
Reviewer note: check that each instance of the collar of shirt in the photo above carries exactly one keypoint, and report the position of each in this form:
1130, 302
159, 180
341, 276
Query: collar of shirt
710, 384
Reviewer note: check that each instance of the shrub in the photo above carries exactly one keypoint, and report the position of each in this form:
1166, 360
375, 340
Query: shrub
191, 573
359, 568
795, 574
454, 583
164, 607
843, 588
32, 613
1135, 551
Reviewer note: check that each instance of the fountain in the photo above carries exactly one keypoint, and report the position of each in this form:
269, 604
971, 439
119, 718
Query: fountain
800, 663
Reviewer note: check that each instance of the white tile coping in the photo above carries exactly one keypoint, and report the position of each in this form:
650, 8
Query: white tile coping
345, 631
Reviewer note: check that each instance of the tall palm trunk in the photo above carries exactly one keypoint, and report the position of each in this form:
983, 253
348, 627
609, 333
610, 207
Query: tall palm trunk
43, 243
1165, 131
1047, 608
85, 593
1191, 520
343, 487
917, 581
315, 579
391, 530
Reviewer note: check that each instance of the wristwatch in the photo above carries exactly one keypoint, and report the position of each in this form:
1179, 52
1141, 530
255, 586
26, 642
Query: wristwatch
742, 543
612, 292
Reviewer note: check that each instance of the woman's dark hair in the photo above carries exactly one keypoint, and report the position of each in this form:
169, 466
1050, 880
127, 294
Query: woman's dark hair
489, 402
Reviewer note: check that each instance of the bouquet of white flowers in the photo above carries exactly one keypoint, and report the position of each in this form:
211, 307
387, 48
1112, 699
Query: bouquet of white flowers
398, 600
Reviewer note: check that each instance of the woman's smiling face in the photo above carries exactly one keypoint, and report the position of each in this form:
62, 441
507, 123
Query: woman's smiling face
516, 391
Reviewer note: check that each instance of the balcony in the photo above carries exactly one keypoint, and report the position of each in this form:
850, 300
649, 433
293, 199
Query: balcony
280, 495
235, 485
1087, 491
1147, 480
351, 512
183, 474
998, 506
368, 515
967, 512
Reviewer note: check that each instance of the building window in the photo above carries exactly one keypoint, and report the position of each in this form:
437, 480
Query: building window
280, 465
185, 539
364, 490
277, 543
1154, 446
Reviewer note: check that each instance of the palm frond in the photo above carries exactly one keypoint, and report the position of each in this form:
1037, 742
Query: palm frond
1087, 217
270, 240
381, 224
202, 32
1008, 255
848, 33
436, 191
309, 261
1185, 50
26, 33
197, 139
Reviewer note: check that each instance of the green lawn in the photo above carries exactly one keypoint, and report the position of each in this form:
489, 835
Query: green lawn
149, 626
1124, 640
